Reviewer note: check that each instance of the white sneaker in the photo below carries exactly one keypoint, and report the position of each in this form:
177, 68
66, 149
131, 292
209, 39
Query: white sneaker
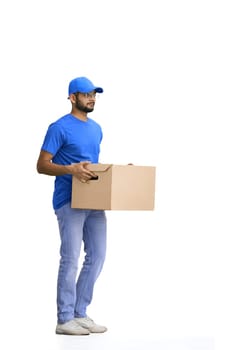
71, 328
88, 323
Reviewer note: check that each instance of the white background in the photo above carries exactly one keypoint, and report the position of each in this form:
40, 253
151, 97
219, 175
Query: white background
166, 68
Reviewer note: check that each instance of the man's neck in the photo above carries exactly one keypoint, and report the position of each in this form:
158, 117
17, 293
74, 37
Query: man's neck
79, 114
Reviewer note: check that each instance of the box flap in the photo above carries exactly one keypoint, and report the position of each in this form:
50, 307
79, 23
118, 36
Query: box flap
98, 167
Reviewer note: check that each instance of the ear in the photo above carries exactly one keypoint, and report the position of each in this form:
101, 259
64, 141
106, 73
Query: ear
72, 98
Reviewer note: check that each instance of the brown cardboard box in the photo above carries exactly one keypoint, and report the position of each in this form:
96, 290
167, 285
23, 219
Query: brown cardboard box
118, 187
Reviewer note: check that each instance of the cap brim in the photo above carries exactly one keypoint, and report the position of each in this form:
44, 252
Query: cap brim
99, 90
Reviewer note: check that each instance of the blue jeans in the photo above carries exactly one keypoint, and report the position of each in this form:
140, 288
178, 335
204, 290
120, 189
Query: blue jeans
77, 225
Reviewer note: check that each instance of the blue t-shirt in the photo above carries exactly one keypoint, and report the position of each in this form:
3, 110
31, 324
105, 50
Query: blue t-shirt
71, 140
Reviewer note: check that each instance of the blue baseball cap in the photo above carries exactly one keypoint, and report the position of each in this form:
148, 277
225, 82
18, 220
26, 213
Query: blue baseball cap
83, 85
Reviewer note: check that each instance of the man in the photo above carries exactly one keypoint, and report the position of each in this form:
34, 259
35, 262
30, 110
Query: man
70, 144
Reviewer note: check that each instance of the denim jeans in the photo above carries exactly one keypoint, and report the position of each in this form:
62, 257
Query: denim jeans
74, 293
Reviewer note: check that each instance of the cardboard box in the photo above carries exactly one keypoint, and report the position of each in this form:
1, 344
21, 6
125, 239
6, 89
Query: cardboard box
118, 187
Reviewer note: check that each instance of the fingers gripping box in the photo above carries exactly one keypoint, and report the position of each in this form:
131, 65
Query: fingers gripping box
117, 187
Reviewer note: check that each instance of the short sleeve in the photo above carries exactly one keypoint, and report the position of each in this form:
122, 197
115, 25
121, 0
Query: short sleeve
54, 139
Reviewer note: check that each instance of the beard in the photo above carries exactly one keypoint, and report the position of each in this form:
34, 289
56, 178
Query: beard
81, 107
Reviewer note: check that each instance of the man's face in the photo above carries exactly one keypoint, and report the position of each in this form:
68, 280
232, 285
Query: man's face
85, 102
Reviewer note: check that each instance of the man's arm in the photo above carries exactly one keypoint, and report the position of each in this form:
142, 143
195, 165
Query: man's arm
47, 167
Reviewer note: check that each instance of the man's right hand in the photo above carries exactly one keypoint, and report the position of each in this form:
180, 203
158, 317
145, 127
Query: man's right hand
80, 171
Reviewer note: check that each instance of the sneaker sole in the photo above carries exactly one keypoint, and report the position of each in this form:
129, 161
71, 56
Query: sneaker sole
70, 333
94, 330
